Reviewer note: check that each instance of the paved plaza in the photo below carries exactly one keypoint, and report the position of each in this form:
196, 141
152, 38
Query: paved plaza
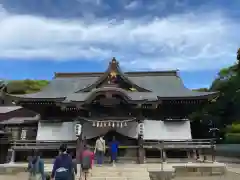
232, 174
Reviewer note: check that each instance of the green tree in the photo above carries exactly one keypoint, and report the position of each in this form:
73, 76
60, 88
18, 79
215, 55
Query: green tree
201, 89
26, 86
224, 110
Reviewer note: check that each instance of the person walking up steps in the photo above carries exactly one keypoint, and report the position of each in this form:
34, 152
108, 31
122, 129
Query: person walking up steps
63, 166
86, 162
74, 161
100, 149
36, 167
114, 150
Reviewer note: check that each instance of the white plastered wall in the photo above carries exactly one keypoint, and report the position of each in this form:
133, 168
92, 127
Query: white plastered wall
66, 131
153, 130
160, 130
56, 131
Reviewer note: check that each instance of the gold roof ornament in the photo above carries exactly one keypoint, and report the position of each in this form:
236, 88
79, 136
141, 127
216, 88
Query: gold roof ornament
113, 74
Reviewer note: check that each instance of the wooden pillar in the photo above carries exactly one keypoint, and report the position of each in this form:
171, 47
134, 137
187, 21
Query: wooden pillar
79, 148
81, 141
204, 155
189, 156
213, 149
141, 150
164, 155
196, 154
13, 154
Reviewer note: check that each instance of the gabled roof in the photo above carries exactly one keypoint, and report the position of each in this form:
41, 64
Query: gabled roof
162, 84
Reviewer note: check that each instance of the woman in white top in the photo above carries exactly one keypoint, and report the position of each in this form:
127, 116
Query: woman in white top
100, 149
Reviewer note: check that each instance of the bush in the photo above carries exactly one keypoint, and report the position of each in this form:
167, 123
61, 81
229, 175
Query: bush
234, 128
232, 138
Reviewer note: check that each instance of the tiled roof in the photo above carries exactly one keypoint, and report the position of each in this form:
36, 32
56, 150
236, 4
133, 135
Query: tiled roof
160, 84
6, 109
21, 120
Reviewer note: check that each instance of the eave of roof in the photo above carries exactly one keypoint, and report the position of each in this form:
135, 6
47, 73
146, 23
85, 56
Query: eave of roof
20, 120
7, 109
163, 84
164, 87
131, 96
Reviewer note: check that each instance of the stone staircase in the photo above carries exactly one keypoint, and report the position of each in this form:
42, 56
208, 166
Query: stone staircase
120, 172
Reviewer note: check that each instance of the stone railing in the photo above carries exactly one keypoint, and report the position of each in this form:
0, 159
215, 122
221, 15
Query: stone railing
33, 144
180, 144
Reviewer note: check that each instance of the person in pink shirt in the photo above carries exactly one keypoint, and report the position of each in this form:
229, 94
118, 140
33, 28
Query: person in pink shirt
87, 160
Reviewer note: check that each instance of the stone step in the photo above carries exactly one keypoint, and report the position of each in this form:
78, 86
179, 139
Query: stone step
117, 178
136, 169
130, 172
121, 175
121, 172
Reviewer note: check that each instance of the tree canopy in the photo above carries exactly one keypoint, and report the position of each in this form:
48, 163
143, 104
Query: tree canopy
224, 112
25, 86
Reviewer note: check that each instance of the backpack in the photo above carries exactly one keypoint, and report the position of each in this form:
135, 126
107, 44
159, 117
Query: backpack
86, 162
62, 173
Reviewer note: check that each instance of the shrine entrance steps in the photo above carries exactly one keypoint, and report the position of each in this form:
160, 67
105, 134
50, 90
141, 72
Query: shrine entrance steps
120, 172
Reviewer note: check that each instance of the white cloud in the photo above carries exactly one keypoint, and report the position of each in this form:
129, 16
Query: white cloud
185, 42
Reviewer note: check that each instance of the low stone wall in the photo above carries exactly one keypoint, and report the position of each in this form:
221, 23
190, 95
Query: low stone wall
12, 168
162, 175
189, 170
199, 170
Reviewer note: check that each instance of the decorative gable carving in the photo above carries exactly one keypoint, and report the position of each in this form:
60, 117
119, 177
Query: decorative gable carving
113, 77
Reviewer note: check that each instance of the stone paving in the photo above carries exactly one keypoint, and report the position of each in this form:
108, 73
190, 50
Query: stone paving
233, 173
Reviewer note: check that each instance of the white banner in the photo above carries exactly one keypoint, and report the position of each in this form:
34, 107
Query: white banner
91, 132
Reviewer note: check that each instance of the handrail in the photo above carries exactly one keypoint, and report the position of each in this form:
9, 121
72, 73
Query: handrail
49, 141
146, 142
198, 141
157, 144
180, 140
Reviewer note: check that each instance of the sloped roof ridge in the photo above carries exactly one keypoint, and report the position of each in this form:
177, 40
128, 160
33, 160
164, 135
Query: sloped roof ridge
129, 73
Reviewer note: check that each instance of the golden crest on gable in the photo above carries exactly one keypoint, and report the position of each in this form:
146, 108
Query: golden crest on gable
113, 74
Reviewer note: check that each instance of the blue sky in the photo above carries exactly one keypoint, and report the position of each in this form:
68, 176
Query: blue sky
40, 37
